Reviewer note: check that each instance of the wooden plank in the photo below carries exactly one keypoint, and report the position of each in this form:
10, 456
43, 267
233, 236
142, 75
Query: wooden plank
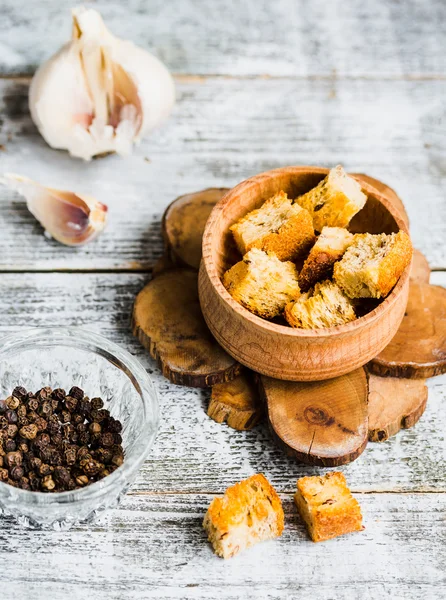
193, 453
223, 131
284, 38
154, 547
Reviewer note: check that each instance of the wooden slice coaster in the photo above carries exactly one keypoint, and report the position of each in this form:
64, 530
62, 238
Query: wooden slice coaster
183, 225
386, 191
394, 404
163, 264
167, 320
418, 349
421, 271
236, 402
320, 423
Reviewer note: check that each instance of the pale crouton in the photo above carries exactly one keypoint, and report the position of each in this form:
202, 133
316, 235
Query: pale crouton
323, 306
334, 201
373, 264
248, 513
327, 506
262, 283
277, 226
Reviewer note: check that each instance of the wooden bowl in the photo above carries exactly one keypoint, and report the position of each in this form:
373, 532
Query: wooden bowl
277, 350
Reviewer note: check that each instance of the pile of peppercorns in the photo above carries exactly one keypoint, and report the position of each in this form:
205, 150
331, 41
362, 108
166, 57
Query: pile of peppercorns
53, 442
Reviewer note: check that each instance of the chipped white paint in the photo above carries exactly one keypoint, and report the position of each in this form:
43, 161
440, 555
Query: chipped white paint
376, 39
221, 132
362, 83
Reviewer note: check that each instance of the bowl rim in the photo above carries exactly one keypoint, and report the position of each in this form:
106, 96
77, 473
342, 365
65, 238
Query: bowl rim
208, 263
77, 337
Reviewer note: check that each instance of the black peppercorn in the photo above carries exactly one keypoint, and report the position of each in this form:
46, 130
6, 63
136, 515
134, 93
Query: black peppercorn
45, 410
58, 394
95, 428
107, 439
29, 432
11, 415
12, 402
71, 403
53, 442
90, 466
76, 392
17, 472
48, 484
10, 446
19, 392
12, 430
45, 469
24, 483
97, 403
114, 425
13, 459
41, 424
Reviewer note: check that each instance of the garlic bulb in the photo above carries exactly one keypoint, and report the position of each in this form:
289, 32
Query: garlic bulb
99, 94
72, 219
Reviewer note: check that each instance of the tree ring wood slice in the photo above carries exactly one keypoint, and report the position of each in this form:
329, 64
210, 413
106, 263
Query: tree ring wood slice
418, 350
421, 271
167, 320
394, 404
387, 191
164, 263
183, 225
321, 422
236, 402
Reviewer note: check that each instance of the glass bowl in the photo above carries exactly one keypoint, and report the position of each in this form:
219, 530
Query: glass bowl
62, 357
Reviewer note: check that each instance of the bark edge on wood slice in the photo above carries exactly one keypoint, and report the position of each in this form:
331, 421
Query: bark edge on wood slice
167, 320
237, 403
183, 225
421, 271
394, 404
321, 423
418, 349
386, 190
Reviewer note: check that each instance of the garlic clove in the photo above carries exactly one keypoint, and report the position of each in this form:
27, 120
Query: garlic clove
72, 219
99, 94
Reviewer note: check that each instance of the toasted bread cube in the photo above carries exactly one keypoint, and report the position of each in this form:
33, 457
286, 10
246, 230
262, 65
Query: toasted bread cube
373, 264
262, 283
277, 226
248, 513
334, 201
329, 247
323, 306
327, 506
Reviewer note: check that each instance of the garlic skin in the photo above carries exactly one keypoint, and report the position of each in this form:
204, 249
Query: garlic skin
71, 219
99, 94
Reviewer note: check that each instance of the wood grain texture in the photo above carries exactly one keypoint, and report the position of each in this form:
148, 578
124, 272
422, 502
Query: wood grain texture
418, 349
167, 320
154, 547
210, 457
221, 132
279, 351
357, 83
236, 402
322, 423
421, 271
394, 404
183, 224
287, 38
387, 191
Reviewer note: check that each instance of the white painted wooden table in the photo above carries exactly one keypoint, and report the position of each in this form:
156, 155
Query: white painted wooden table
260, 85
